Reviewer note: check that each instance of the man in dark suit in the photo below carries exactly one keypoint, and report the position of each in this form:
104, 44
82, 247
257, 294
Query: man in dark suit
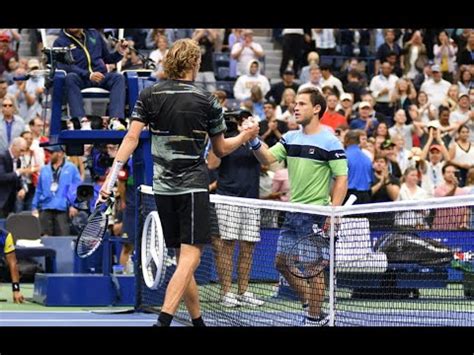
10, 176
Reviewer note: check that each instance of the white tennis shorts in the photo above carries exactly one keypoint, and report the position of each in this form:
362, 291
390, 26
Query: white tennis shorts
238, 223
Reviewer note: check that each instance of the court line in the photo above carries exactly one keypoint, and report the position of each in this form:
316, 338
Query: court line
36, 320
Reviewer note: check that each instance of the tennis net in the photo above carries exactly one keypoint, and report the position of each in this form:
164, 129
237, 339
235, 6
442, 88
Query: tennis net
394, 264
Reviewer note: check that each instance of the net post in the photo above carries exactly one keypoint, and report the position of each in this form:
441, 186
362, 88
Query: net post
332, 278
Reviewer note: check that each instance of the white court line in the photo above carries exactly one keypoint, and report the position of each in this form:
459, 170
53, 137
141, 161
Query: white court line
36, 320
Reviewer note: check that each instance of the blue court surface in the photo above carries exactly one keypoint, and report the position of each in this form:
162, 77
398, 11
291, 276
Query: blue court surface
91, 319
405, 318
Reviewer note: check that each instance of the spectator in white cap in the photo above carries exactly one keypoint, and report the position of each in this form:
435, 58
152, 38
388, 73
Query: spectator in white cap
364, 121
345, 109
436, 88
463, 114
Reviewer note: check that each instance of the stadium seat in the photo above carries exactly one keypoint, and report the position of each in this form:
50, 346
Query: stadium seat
223, 73
326, 60
23, 226
227, 86
27, 227
233, 104
221, 59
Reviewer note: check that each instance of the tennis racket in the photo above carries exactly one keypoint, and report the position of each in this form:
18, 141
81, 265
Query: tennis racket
92, 235
309, 256
153, 252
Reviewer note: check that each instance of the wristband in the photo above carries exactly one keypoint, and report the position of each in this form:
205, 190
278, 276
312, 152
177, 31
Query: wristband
255, 143
116, 167
15, 286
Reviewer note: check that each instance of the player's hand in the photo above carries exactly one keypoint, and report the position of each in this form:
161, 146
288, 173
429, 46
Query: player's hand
18, 297
250, 127
96, 77
35, 213
104, 195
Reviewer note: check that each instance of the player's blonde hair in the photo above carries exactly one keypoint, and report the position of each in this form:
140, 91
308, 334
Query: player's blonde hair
183, 56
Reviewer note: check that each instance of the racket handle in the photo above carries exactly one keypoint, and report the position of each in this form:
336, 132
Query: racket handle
113, 175
350, 201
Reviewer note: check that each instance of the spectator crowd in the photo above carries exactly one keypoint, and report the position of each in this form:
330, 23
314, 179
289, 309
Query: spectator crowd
400, 100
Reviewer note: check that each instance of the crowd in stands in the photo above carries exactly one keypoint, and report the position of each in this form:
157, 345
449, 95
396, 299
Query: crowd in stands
400, 100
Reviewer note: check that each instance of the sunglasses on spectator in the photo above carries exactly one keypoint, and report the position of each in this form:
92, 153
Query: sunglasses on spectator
7, 105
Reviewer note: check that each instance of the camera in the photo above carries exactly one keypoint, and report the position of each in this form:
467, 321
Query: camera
234, 118
99, 161
58, 55
84, 193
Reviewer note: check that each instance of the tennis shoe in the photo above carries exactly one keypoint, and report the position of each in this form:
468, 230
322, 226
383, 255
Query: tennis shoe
249, 299
230, 300
321, 321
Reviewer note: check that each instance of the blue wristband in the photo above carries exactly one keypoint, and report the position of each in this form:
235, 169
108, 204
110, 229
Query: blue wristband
255, 143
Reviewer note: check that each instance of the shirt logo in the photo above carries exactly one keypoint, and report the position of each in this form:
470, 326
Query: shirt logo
311, 151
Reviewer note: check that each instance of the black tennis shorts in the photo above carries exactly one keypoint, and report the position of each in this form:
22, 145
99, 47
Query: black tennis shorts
184, 218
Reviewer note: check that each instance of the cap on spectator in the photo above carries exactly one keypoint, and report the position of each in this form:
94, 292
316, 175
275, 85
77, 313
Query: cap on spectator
387, 144
435, 146
434, 123
4, 38
435, 68
462, 94
289, 72
346, 96
53, 148
364, 104
33, 63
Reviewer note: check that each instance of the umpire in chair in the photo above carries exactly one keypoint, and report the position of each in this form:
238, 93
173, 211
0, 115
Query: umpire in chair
7, 250
91, 55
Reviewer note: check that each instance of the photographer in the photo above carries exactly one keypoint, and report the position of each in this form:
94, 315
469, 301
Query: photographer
91, 55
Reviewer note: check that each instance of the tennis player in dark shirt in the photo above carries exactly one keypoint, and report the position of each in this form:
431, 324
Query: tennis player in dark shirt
181, 117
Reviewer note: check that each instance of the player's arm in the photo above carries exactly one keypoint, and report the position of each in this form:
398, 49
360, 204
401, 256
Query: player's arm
10, 257
339, 190
264, 156
127, 147
339, 169
223, 146
213, 162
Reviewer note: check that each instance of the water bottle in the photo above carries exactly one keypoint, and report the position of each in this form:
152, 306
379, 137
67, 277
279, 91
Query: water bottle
130, 267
